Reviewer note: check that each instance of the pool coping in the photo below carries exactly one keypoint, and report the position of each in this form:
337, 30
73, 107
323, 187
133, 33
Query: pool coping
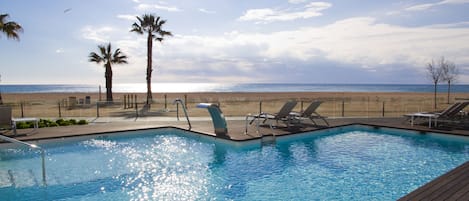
251, 138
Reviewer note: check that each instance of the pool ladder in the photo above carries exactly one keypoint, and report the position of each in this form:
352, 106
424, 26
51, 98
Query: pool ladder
177, 102
33, 146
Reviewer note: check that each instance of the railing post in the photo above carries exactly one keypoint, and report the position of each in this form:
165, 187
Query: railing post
125, 101
60, 111
165, 102
260, 106
97, 109
136, 109
129, 101
22, 109
135, 99
343, 108
383, 107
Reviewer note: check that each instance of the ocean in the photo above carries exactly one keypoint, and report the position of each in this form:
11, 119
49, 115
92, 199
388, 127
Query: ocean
229, 87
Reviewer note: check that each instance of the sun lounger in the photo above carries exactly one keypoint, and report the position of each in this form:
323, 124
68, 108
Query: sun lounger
449, 113
283, 115
310, 113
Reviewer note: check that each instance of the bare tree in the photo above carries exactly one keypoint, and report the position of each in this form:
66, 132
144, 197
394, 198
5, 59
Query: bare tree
435, 73
449, 74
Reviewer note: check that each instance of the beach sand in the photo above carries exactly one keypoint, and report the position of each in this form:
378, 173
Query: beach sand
336, 104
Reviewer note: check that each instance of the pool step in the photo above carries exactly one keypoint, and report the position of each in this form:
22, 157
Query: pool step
22, 178
268, 140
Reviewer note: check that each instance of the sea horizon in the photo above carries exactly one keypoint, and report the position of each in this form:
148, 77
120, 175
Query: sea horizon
228, 87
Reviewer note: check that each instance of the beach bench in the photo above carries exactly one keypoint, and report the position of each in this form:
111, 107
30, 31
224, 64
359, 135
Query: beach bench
8, 122
14, 121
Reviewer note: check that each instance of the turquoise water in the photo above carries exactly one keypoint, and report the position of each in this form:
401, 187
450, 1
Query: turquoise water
169, 164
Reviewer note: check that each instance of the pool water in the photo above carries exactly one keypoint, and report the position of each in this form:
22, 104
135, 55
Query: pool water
355, 163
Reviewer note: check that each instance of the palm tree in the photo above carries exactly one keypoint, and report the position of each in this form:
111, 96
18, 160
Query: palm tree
10, 29
107, 57
153, 26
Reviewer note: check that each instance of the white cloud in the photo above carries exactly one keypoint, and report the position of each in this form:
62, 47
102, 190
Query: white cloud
266, 15
297, 1
127, 17
354, 42
206, 11
150, 7
420, 7
100, 34
59, 51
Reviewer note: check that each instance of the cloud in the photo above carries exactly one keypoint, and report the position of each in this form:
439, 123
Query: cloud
354, 43
127, 17
59, 51
206, 11
355, 46
297, 1
97, 34
266, 15
421, 7
150, 7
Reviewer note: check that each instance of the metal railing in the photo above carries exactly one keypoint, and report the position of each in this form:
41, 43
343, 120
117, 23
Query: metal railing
335, 104
177, 102
43, 153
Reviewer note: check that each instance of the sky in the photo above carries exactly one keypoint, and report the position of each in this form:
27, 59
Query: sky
238, 41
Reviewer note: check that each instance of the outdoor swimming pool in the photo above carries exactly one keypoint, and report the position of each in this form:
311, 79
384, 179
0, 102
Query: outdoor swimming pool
349, 163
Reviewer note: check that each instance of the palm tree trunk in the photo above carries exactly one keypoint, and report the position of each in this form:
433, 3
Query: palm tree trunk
149, 67
108, 83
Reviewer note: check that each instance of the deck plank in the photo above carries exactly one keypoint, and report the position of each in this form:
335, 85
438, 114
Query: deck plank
449, 186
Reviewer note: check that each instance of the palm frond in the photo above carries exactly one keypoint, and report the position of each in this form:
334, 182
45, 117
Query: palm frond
118, 57
93, 57
136, 28
10, 29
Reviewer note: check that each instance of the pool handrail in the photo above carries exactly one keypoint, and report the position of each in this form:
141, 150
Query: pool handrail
34, 146
177, 101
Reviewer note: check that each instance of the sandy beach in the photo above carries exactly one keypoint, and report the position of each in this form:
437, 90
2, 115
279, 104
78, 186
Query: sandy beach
336, 104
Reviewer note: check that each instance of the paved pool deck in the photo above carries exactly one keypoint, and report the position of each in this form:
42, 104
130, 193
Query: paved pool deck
443, 186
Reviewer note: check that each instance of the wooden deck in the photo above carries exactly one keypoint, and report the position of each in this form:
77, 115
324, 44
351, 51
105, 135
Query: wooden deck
453, 185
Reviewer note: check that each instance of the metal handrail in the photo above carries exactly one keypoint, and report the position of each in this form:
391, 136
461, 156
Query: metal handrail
43, 153
177, 101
